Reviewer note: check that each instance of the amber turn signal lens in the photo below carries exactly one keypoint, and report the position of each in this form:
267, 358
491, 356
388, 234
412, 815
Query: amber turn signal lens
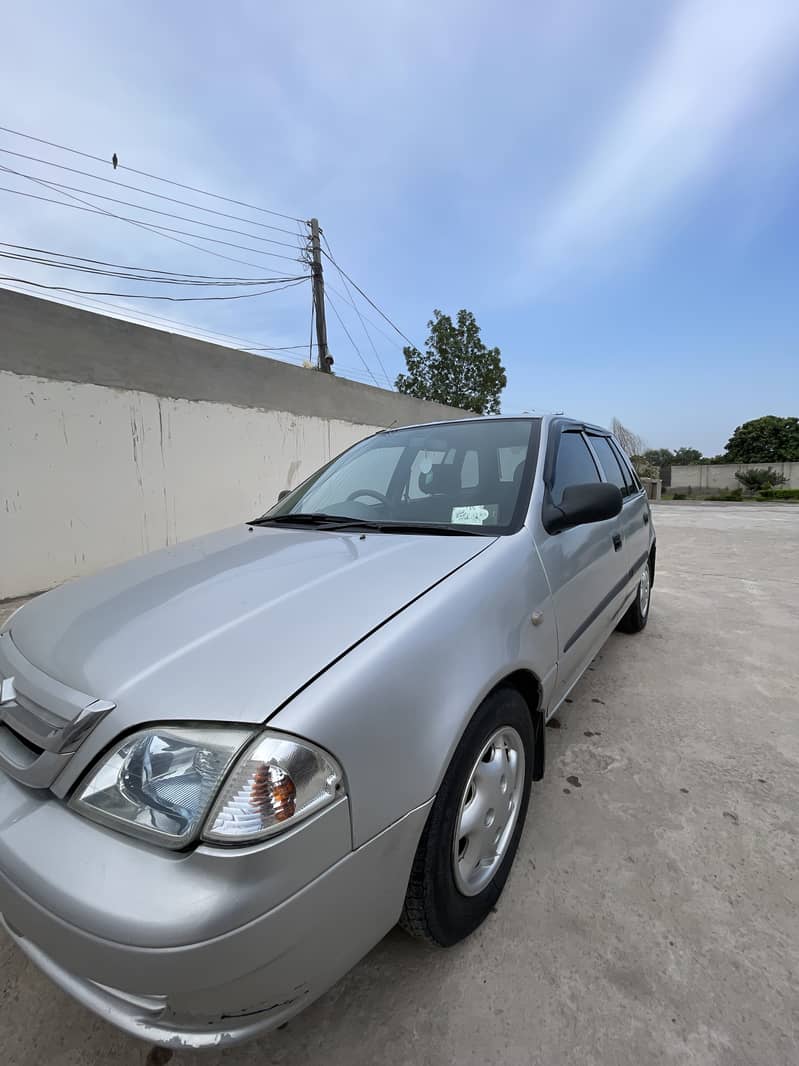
273, 791
277, 782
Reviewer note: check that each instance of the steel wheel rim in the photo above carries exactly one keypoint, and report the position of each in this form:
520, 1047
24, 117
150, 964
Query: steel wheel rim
643, 592
488, 811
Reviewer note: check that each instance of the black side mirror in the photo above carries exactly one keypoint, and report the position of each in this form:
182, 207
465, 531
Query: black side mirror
283, 494
583, 504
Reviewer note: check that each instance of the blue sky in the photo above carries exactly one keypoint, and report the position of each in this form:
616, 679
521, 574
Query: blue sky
610, 186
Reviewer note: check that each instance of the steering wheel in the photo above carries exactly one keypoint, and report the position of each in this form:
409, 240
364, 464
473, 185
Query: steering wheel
367, 492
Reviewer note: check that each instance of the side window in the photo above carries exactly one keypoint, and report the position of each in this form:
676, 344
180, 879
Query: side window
610, 464
628, 468
574, 465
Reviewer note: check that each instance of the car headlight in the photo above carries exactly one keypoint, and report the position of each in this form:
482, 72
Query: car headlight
161, 783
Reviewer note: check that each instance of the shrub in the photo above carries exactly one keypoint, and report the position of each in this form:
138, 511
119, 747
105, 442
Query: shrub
731, 495
779, 494
758, 479
678, 496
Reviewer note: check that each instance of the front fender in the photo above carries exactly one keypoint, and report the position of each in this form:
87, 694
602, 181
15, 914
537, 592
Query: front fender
394, 707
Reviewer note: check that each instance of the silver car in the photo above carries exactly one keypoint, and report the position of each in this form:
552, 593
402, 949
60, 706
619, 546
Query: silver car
228, 768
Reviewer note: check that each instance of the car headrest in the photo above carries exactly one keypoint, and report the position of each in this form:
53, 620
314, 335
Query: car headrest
440, 480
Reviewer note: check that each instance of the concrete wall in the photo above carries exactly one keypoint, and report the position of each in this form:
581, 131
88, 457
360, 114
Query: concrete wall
707, 477
116, 439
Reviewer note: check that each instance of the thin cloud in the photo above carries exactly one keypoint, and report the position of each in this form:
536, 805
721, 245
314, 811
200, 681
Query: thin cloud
717, 63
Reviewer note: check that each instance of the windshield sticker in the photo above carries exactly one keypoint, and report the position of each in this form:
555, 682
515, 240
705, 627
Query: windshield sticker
474, 515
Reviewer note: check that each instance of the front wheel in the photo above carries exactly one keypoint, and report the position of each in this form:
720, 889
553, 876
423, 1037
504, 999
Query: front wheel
637, 614
474, 826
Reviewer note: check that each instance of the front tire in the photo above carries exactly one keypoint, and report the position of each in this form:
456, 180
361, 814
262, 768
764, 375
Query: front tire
473, 829
637, 614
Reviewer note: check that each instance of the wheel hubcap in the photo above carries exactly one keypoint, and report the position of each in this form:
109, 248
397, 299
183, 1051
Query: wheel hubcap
643, 591
488, 811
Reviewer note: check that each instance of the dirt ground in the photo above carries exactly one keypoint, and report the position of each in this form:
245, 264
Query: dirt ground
653, 912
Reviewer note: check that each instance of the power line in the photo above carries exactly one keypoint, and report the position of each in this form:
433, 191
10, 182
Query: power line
137, 274
148, 192
368, 299
153, 227
141, 225
371, 321
153, 210
354, 306
147, 296
145, 174
352, 342
278, 347
121, 266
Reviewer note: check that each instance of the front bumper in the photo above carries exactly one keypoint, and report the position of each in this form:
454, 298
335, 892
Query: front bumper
235, 985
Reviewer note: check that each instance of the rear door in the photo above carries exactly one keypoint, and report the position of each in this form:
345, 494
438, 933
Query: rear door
585, 565
634, 518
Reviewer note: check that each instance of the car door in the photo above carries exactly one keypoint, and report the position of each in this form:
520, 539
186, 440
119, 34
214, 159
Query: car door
585, 564
634, 517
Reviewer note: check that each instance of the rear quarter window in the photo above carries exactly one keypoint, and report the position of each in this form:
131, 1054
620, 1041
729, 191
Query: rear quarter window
611, 464
627, 467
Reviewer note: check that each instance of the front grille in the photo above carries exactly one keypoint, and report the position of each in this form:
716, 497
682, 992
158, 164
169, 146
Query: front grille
12, 742
42, 722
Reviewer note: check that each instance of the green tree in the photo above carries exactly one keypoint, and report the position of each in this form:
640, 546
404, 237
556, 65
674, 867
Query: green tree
685, 456
659, 457
456, 368
765, 440
757, 479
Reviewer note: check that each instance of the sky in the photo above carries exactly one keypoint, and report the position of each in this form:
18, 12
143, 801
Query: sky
611, 187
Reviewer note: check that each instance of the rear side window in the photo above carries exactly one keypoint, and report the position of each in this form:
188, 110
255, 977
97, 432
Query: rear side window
574, 466
628, 468
610, 464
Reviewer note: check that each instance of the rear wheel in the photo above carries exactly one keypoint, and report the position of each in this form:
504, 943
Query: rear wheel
637, 614
474, 826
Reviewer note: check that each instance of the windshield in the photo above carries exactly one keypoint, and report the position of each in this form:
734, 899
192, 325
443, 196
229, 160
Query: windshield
474, 475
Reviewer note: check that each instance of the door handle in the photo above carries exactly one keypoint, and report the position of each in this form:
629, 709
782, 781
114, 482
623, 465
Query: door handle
646, 518
617, 541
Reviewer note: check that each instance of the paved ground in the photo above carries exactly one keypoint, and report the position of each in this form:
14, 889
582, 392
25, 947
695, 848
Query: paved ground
653, 913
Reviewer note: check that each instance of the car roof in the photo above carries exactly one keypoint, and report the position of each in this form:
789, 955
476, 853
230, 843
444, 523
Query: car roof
546, 419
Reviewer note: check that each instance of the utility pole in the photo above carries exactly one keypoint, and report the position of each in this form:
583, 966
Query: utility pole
325, 360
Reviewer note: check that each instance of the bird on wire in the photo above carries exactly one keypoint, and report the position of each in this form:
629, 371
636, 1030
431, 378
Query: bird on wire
114, 161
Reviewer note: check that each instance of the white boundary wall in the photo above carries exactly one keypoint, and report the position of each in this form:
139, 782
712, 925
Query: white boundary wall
116, 439
709, 476
100, 475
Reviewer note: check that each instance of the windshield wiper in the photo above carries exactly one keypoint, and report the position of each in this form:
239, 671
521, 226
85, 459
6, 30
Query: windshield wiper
425, 528
300, 519
334, 523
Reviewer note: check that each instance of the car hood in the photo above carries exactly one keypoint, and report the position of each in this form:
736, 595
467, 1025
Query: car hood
227, 627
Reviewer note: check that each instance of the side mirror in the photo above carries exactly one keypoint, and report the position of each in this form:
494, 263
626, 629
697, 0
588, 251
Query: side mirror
283, 494
583, 504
